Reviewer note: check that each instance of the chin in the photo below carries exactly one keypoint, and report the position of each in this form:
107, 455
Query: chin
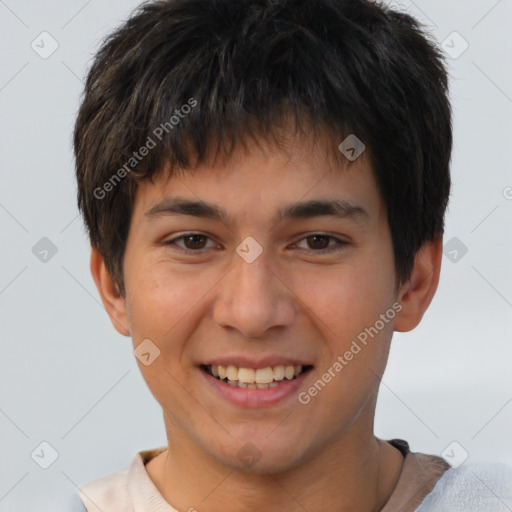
261, 454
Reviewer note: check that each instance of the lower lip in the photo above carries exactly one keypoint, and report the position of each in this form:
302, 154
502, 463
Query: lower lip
256, 397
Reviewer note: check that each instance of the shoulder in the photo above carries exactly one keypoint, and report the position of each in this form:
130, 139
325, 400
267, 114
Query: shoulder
107, 494
121, 490
472, 488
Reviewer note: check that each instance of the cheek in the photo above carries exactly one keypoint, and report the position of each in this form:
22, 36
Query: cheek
161, 308
349, 299
158, 298
355, 337
347, 303
167, 304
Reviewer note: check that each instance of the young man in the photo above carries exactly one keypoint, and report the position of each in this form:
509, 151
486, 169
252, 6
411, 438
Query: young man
264, 184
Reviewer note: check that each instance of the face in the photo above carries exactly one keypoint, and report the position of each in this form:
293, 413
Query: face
285, 261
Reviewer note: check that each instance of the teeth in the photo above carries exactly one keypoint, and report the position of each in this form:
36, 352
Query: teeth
260, 378
232, 372
246, 375
279, 372
264, 375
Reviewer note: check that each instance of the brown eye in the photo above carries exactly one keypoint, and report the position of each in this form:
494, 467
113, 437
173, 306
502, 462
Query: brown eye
318, 241
194, 241
321, 243
191, 243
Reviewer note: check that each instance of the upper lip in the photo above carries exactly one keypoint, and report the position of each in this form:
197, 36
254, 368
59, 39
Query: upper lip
256, 363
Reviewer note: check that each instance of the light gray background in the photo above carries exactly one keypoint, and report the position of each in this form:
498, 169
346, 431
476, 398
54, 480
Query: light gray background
67, 378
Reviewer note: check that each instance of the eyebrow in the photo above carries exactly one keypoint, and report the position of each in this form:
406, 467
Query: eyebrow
338, 208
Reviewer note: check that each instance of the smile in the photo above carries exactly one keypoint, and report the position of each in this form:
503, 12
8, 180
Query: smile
251, 378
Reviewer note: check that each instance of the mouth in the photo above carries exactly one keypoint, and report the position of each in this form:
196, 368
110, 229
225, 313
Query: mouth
255, 378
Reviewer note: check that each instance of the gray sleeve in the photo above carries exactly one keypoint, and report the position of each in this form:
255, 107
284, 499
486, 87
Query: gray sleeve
77, 504
472, 488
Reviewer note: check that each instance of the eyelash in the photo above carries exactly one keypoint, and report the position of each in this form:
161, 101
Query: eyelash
341, 243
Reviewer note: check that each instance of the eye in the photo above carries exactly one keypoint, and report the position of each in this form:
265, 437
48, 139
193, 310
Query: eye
197, 243
319, 242
193, 242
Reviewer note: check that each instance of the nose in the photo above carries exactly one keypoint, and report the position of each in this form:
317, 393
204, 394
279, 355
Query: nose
254, 298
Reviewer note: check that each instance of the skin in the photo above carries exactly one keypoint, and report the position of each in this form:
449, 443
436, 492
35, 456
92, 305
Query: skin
294, 299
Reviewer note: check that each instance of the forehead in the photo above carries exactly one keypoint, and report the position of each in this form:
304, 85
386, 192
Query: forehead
298, 179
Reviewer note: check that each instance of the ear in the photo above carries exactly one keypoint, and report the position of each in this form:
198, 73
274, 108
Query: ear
114, 303
416, 295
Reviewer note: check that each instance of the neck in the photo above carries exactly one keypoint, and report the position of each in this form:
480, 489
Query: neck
356, 473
